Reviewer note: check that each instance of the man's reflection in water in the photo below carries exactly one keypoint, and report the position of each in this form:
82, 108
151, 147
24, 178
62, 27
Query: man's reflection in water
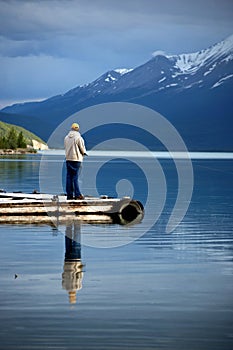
72, 275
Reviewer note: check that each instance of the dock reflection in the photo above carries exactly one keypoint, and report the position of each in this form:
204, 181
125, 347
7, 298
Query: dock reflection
73, 267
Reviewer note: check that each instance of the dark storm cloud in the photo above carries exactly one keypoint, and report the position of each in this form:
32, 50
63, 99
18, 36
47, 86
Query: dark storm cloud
58, 27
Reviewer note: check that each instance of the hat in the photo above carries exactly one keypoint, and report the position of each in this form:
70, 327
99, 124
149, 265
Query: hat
75, 126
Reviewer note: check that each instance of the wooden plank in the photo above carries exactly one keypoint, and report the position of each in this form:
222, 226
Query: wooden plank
39, 206
20, 195
54, 220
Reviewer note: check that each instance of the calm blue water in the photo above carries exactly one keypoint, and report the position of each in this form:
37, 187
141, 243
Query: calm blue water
162, 291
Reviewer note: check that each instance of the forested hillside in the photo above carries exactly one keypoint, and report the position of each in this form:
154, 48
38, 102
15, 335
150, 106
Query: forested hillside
13, 136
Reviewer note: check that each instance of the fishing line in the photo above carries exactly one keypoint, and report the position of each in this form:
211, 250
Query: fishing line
214, 169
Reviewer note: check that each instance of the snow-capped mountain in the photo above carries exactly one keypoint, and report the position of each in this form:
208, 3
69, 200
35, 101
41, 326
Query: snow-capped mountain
193, 91
190, 63
180, 71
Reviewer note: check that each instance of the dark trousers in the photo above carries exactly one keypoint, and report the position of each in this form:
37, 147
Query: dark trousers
73, 169
73, 242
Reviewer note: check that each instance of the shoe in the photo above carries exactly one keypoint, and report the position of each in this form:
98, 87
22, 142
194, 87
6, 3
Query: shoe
79, 197
68, 198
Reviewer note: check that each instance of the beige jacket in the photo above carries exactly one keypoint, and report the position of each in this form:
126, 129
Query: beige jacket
74, 146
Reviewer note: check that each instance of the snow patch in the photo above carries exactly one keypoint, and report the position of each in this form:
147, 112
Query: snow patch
170, 85
192, 62
110, 78
188, 63
228, 58
195, 83
160, 81
210, 70
221, 81
123, 71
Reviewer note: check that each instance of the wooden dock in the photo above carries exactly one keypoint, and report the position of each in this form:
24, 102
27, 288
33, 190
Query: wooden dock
17, 207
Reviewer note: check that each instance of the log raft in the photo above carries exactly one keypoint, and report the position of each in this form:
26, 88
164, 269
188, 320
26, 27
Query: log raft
43, 208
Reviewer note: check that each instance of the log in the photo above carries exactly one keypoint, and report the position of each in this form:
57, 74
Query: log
35, 207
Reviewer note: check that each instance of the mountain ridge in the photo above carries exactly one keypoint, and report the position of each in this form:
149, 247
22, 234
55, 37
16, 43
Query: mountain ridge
193, 91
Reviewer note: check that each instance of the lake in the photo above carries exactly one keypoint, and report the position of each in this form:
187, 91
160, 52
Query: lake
147, 289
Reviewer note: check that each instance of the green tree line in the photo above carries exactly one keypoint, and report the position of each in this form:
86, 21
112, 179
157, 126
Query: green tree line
12, 140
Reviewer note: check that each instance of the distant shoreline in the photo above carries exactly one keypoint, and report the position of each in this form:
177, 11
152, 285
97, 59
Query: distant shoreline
17, 151
146, 154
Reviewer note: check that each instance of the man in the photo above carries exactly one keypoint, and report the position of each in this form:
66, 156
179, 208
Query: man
74, 150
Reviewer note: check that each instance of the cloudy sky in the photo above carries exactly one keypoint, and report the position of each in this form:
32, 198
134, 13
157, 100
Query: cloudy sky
50, 46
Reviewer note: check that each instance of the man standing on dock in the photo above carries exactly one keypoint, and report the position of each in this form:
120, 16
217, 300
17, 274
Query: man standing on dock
74, 150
